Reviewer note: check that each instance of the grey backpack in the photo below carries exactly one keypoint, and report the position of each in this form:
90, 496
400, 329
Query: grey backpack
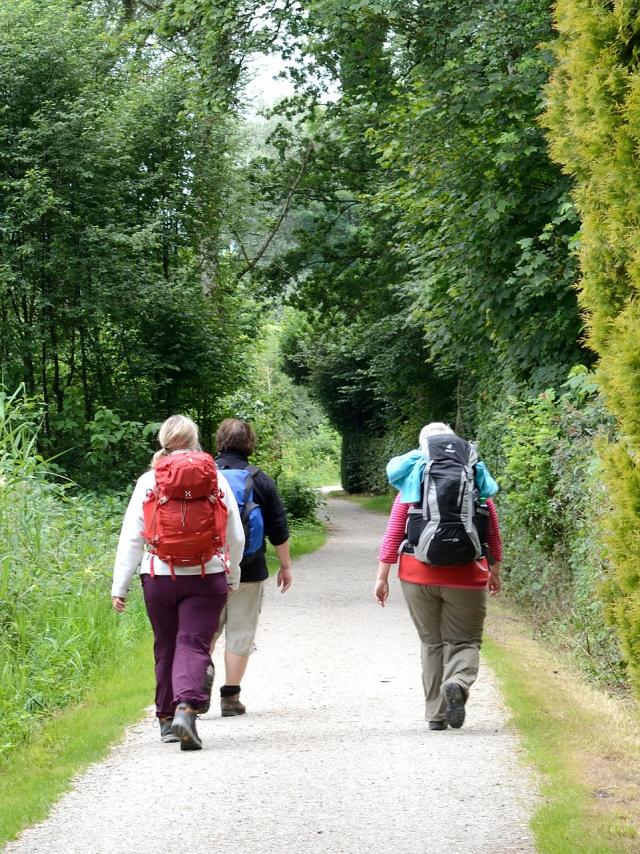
443, 527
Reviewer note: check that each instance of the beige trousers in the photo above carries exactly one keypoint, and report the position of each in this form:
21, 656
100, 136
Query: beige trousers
449, 623
239, 618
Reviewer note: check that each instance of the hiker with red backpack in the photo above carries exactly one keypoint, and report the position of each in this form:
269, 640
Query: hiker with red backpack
183, 529
263, 515
443, 530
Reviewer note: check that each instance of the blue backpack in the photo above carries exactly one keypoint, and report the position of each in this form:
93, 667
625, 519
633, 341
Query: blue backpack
241, 483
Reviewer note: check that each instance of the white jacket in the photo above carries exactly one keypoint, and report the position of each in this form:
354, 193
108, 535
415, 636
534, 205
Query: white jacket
131, 553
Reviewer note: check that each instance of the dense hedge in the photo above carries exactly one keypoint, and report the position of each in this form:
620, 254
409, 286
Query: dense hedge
364, 457
552, 504
594, 123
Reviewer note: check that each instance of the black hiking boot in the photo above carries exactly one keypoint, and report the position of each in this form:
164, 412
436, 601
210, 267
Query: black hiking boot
166, 735
207, 685
184, 726
454, 713
436, 725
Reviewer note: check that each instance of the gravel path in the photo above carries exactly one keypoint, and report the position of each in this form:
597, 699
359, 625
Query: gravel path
333, 757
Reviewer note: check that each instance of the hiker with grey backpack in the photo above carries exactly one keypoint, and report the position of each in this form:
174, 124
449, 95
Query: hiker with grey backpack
443, 531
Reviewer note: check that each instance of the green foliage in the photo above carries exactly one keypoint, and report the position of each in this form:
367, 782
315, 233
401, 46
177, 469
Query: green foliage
593, 127
115, 279
365, 457
295, 439
56, 626
552, 504
429, 222
119, 448
483, 221
300, 500
529, 435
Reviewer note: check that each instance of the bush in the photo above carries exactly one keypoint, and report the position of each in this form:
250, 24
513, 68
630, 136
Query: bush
301, 501
551, 504
593, 117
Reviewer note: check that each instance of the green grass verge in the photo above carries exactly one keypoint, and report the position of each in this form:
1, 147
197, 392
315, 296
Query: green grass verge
35, 777
577, 741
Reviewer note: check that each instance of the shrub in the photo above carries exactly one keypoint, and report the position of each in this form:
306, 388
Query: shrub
301, 500
594, 119
552, 502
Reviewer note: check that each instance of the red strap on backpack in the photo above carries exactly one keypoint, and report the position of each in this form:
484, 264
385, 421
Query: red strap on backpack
185, 519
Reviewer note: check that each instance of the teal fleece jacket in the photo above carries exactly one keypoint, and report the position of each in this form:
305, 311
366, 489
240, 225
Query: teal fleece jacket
406, 473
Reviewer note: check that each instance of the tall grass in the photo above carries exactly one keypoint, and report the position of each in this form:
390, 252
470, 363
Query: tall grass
57, 627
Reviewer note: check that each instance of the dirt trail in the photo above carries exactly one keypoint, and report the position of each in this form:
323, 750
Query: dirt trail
333, 757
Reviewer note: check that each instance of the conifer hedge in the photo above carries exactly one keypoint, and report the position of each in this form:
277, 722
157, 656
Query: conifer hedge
593, 119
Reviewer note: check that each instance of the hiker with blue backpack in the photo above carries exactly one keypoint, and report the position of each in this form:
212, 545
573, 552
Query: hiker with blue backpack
183, 530
263, 515
443, 531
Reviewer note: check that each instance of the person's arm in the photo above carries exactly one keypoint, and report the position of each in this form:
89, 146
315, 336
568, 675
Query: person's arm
284, 573
391, 542
381, 588
495, 547
276, 525
130, 545
274, 514
234, 538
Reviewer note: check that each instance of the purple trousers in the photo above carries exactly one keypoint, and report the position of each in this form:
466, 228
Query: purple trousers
184, 615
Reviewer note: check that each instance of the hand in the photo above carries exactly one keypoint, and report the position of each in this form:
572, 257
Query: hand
284, 578
495, 582
119, 603
381, 591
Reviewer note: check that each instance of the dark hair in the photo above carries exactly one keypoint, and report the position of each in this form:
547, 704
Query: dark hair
235, 435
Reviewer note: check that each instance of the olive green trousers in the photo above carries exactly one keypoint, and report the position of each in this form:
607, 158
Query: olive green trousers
449, 623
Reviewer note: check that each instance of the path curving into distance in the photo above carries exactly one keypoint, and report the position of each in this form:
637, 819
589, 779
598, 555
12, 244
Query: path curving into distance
333, 755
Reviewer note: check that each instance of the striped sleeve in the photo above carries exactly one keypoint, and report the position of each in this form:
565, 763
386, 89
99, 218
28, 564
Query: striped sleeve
493, 535
395, 533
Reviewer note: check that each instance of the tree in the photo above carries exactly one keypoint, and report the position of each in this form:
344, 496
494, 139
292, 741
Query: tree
112, 277
593, 119
431, 217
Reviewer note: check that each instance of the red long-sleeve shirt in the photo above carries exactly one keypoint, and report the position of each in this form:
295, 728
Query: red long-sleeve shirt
472, 575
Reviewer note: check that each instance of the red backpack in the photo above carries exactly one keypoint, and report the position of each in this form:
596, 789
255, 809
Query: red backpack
185, 520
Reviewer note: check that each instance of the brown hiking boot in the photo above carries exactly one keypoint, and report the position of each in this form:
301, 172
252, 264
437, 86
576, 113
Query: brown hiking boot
230, 706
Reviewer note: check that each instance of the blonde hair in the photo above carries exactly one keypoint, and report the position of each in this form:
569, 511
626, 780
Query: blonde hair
176, 434
435, 428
